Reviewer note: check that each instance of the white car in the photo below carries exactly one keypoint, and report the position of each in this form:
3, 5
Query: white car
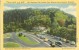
72, 43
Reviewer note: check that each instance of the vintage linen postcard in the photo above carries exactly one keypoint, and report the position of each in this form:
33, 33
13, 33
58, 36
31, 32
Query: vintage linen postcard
39, 25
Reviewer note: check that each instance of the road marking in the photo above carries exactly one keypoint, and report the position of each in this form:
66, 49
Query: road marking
47, 44
35, 40
41, 40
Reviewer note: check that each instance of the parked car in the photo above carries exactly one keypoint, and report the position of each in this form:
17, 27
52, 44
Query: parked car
72, 43
45, 39
58, 43
52, 43
42, 37
62, 39
58, 38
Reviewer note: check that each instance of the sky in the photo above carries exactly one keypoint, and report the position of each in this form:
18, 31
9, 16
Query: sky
68, 8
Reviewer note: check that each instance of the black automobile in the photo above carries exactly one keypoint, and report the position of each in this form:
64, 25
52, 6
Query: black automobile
51, 43
58, 43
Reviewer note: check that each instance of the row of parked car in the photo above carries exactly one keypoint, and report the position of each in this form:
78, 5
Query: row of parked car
64, 40
54, 43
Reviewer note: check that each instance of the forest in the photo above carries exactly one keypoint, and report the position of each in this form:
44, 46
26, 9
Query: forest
57, 21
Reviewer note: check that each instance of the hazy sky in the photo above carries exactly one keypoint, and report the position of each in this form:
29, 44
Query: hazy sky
68, 8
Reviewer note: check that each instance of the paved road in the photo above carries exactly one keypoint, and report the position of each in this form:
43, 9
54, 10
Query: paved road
32, 37
42, 43
14, 38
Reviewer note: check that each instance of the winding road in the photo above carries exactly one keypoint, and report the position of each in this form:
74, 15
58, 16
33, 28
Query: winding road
14, 38
41, 43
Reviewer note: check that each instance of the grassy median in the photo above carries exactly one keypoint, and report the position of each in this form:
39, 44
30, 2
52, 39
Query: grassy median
27, 40
11, 44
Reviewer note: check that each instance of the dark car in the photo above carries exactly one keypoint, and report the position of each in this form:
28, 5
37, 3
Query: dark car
58, 43
51, 43
58, 38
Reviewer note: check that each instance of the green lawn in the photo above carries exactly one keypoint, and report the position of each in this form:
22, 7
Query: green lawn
11, 44
27, 40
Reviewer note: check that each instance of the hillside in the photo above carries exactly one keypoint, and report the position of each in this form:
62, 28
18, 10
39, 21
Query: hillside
60, 23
